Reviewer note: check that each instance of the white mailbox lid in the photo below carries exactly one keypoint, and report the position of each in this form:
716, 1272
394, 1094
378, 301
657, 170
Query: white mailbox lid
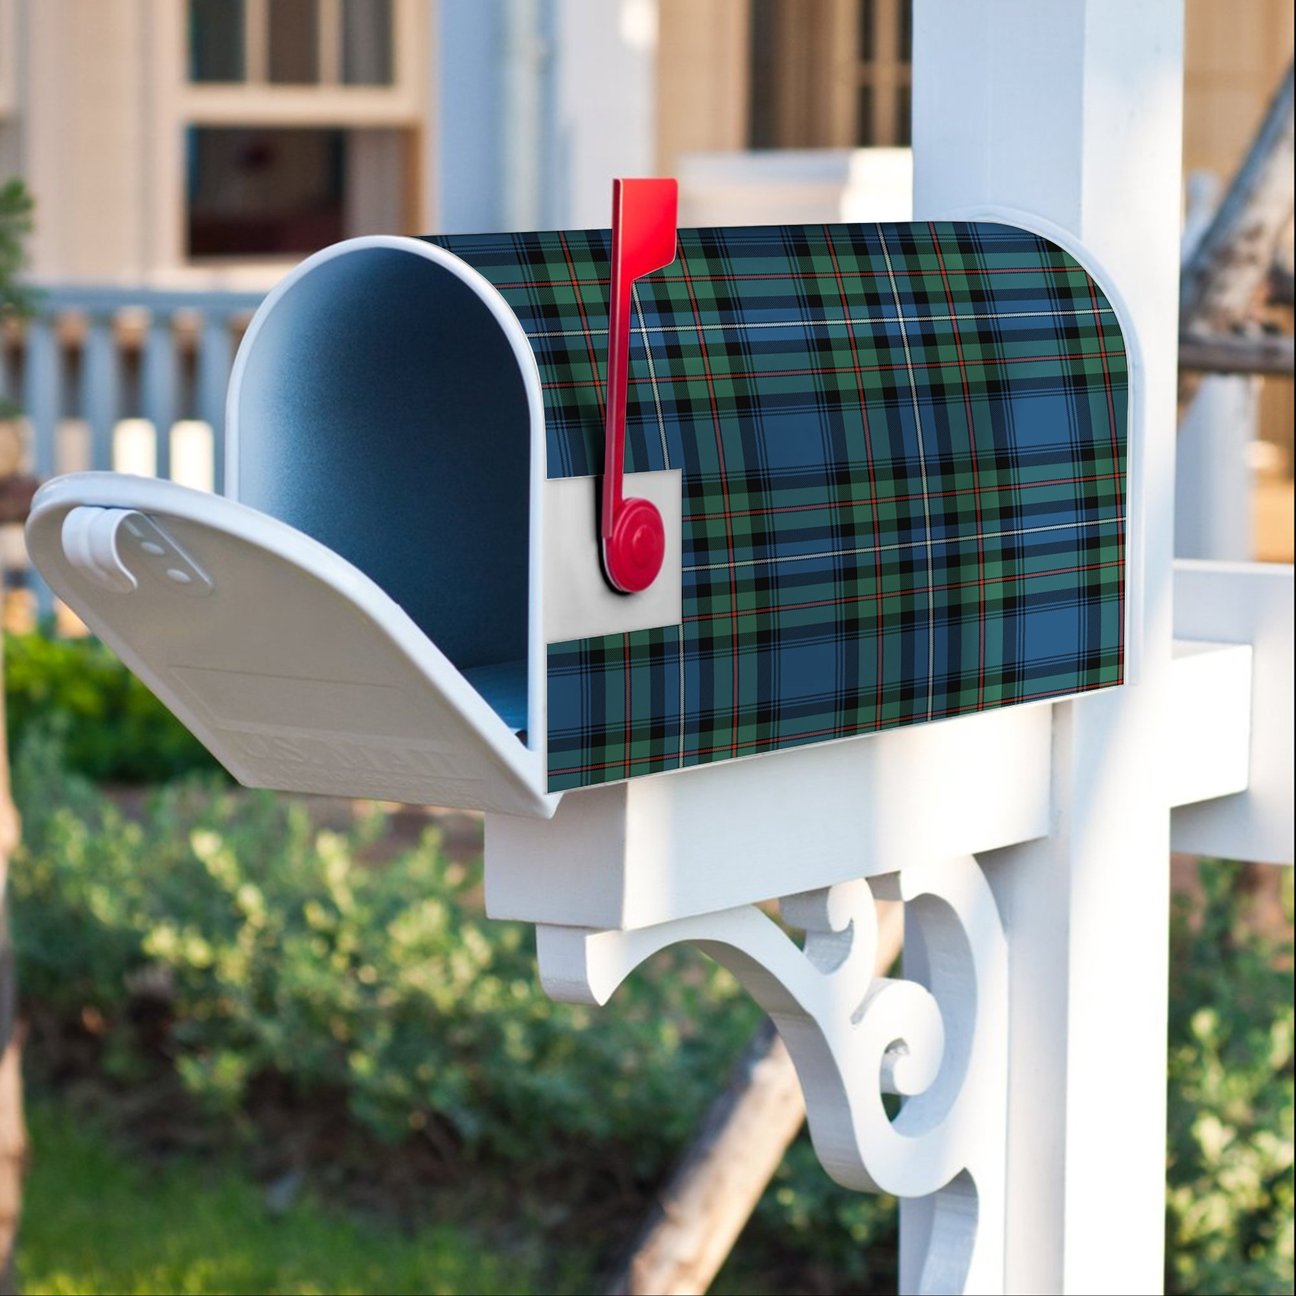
287, 662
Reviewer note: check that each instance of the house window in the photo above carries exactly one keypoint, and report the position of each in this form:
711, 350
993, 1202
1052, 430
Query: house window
216, 47
291, 42
367, 41
293, 51
256, 192
264, 192
884, 71
299, 123
833, 74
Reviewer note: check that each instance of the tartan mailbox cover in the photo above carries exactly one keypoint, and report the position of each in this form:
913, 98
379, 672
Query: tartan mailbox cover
891, 460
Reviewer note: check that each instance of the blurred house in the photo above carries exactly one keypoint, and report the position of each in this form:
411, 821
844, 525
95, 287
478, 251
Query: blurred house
213, 141
202, 146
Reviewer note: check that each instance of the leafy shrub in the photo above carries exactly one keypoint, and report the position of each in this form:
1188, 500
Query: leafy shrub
1230, 1198
16, 299
847, 1239
283, 954
113, 728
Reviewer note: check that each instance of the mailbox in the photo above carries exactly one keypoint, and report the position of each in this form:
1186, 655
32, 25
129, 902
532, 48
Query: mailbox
887, 465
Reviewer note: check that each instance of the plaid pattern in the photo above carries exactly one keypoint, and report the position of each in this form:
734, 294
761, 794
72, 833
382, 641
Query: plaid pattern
903, 452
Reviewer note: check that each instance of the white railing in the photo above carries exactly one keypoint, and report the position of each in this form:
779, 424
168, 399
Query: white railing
131, 380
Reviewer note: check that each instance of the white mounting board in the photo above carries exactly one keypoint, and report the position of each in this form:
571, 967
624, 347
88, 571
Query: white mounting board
1246, 603
676, 845
1208, 748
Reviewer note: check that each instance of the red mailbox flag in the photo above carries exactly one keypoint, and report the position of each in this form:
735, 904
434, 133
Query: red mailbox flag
643, 240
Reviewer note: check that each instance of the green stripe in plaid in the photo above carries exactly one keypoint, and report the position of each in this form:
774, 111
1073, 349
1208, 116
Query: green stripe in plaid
903, 454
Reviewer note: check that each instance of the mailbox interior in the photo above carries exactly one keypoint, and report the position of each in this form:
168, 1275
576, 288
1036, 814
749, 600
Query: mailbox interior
385, 403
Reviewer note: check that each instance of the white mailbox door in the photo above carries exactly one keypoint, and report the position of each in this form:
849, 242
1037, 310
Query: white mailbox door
287, 662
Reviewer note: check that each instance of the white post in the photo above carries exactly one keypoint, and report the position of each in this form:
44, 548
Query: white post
1072, 112
1214, 512
604, 87
468, 133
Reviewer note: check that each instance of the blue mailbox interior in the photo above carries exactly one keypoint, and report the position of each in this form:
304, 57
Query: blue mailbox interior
382, 411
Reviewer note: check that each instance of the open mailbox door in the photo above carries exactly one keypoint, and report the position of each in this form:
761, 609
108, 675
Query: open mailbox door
293, 667
362, 618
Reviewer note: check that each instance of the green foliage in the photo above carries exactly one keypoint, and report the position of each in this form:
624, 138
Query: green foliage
112, 727
283, 954
847, 1238
94, 1221
15, 225
1230, 1197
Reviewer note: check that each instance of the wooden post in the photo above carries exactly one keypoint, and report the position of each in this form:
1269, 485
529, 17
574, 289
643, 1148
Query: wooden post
1071, 114
1250, 353
739, 1144
1229, 268
736, 1149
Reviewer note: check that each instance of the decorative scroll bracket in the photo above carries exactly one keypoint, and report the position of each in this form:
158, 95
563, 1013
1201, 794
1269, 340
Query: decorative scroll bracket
937, 1037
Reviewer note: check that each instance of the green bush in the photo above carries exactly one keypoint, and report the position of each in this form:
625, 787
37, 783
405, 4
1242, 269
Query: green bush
113, 728
282, 953
1229, 1202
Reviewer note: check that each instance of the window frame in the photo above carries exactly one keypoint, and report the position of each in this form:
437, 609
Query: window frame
815, 97
255, 100
180, 103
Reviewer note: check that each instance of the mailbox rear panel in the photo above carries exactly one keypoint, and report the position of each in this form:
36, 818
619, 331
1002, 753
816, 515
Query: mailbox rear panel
903, 453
